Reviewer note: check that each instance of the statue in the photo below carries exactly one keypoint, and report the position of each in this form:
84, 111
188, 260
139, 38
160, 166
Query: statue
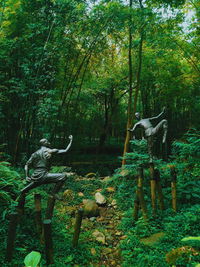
151, 131
40, 162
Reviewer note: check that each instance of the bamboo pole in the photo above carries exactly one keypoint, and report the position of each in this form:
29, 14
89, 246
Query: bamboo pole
38, 216
14, 219
48, 241
159, 190
153, 188
77, 227
173, 187
50, 207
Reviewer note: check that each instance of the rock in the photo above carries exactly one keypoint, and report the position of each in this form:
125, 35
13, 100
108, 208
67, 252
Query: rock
114, 203
110, 189
106, 251
153, 239
93, 251
90, 175
100, 237
100, 199
90, 208
68, 195
106, 179
118, 233
92, 219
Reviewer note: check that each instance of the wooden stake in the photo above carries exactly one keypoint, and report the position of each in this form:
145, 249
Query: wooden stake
38, 216
140, 194
14, 219
77, 227
21, 203
159, 189
153, 188
50, 207
173, 187
136, 206
48, 241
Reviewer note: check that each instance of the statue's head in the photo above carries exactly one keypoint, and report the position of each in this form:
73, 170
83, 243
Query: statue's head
45, 142
137, 115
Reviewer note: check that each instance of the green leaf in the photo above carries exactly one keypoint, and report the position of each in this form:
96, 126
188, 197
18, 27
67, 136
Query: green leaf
191, 238
69, 259
32, 259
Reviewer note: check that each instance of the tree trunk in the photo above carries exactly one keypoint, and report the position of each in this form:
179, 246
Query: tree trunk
129, 115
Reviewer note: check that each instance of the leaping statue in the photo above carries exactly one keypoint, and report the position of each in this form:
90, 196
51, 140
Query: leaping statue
40, 163
151, 131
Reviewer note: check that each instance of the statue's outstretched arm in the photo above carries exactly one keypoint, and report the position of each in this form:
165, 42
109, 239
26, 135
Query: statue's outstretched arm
159, 115
60, 151
134, 127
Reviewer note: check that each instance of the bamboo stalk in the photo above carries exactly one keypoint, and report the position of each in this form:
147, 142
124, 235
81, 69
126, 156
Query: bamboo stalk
173, 187
48, 241
153, 188
159, 190
77, 227
14, 219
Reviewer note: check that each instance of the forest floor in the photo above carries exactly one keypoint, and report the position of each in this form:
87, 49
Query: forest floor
112, 238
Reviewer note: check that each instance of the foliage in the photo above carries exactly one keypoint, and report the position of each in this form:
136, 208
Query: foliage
32, 259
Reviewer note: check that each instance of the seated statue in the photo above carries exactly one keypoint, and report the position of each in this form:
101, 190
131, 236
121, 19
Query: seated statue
151, 131
40, 163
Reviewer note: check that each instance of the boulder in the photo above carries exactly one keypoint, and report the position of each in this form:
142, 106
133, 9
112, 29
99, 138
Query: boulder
100, 237
100, 199
90, 208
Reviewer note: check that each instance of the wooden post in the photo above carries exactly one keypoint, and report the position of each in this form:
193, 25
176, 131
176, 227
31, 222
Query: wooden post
173, 187
14, 219
140, 193
21, 203
159, 189
38, 215
136, 206
77, 227
48, 242
153, 188
50, 207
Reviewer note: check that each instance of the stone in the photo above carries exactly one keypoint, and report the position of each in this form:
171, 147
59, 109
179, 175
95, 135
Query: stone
100, 199
110, 189
93, 251
68, 195
100, 237
114, 203
90, 208
153, 239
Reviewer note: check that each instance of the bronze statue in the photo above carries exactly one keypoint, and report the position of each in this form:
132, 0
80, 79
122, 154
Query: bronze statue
40, 162
151, 131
